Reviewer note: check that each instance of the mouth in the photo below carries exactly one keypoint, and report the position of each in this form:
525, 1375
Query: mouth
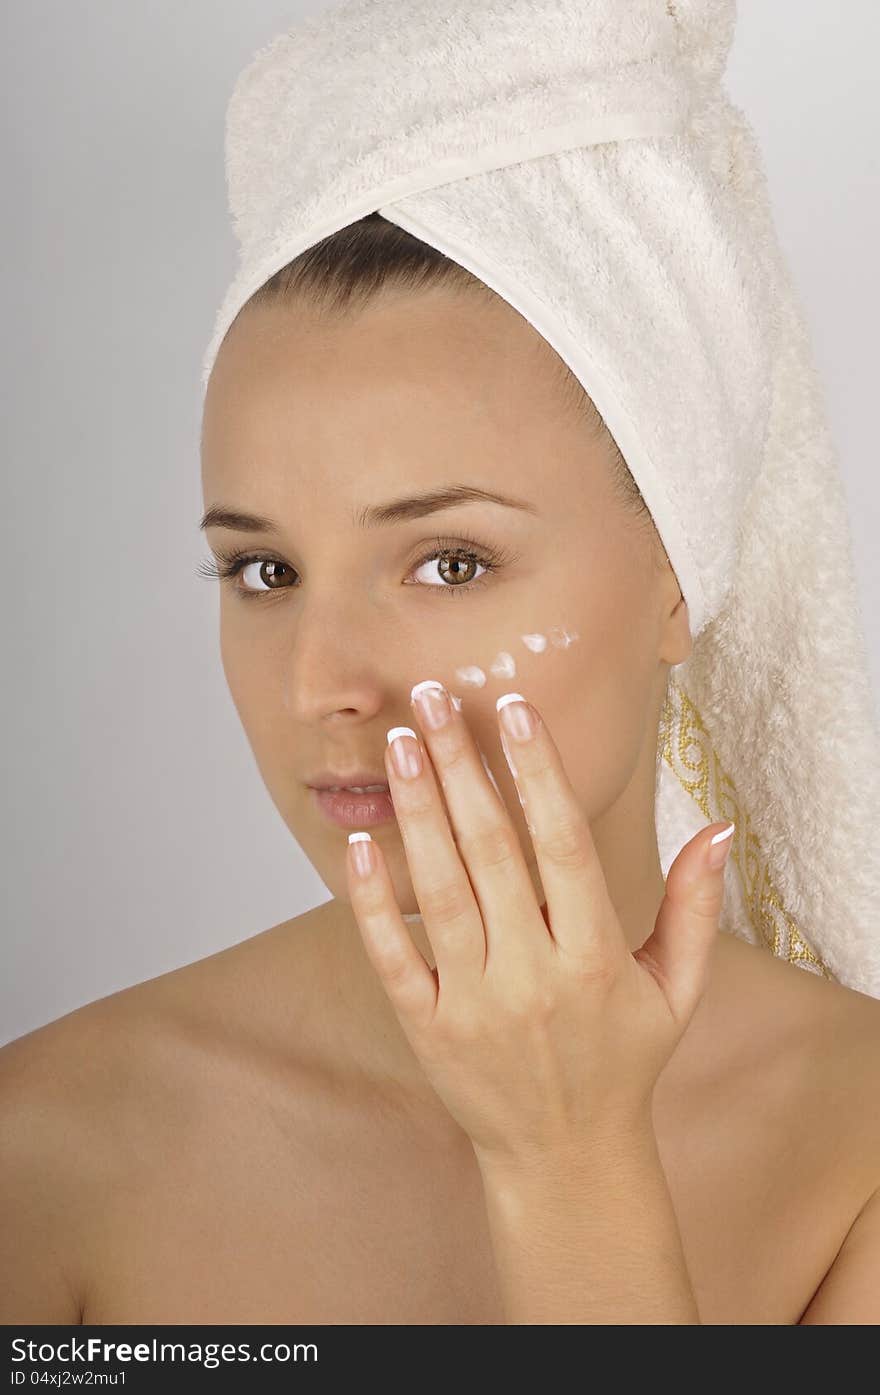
349, 807
359, 779
377, 788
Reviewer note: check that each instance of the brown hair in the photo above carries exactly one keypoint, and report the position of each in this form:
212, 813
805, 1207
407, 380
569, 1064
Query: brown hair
347, 268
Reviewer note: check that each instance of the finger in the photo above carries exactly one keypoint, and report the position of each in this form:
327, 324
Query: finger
678, 951
446, 898
582, 918
405, 974
484, 832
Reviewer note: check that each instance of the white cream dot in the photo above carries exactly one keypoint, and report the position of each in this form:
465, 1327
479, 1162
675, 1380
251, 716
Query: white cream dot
504, 666
471, 674
537, 643
562, 638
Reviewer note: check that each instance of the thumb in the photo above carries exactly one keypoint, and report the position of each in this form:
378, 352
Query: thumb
678, 951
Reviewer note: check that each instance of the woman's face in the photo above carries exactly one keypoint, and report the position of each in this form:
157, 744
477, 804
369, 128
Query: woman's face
312, 422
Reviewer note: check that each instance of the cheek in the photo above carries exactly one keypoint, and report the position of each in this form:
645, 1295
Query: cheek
235, 668
604, 694
598, 721
595, 694
253, 677
250, 670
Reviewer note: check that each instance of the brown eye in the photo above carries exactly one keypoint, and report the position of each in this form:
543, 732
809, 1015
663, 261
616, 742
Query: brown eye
269, 572
452, 569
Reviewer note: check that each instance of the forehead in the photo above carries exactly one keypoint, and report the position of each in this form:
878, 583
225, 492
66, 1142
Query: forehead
470, 355
411, 388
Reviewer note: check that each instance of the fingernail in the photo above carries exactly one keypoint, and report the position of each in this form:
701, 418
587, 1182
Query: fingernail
432, 703
405, 753
362, 853
719, 848
516, 716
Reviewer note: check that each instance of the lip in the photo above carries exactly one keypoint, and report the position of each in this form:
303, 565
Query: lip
323, 779
348, 810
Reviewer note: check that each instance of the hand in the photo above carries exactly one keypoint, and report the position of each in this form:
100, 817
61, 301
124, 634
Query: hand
539, 1029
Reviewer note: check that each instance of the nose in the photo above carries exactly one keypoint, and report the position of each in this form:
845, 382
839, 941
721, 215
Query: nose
339, 666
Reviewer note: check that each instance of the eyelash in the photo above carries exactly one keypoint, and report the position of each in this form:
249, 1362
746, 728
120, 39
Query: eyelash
228, 565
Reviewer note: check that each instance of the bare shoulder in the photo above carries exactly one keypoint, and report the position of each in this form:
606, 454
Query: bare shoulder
90, 1100
51, 1141
849, 1042
819, 1042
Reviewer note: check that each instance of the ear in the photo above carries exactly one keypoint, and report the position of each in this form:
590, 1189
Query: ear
676, 643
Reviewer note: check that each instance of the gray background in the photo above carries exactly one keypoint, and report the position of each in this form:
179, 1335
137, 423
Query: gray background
137, 834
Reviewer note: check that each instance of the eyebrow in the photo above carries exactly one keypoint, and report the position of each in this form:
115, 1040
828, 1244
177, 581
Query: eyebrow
375, 515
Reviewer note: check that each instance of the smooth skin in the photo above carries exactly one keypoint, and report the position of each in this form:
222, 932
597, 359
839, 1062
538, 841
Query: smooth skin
252, 1137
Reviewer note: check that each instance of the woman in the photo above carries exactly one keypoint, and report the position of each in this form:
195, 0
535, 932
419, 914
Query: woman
274, 1134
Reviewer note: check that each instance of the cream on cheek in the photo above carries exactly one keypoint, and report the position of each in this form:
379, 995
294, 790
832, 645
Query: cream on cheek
503, 666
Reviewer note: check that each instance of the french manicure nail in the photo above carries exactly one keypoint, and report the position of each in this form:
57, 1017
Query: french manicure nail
719, 848
516, 716
406, 754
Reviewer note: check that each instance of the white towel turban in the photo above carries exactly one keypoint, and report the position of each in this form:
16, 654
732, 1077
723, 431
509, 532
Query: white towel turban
582, 158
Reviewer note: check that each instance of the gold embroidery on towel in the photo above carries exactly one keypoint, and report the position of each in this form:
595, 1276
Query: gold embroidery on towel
685, 745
